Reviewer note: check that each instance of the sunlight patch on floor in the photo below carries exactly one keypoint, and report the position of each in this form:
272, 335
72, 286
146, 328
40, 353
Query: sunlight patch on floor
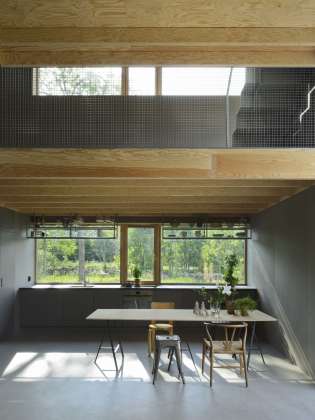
50, 365
137, 367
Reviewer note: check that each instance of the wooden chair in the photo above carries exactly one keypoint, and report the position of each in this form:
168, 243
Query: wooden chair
233, 344
155, 327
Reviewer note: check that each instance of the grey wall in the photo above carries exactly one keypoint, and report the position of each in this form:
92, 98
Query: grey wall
16, 264
281, 258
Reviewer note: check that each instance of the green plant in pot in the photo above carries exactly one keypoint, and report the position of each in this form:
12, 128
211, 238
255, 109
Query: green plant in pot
137, 275
203, 294
244, 305
231, 280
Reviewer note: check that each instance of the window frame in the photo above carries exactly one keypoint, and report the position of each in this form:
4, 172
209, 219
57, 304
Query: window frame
125, 78
123, 81
78, 283
157, 278
207, 284
156, 251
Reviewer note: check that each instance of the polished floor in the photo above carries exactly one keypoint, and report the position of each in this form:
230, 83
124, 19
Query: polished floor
50, 376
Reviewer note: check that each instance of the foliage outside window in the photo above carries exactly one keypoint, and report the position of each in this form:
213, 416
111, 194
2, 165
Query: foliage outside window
77, 260
200, 260
72, 81
141, 252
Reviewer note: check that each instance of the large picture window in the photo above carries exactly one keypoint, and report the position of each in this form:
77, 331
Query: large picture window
165, 261
200, 260
77, 261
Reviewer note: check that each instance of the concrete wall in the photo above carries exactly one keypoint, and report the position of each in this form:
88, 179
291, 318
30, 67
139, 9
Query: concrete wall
16, 264
282, 266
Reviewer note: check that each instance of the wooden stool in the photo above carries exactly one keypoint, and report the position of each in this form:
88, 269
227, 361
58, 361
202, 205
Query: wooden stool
156, 327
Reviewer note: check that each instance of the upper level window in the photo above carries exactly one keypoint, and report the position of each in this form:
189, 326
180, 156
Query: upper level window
237, 81
136, 80
141, 81
203, 81
72, 81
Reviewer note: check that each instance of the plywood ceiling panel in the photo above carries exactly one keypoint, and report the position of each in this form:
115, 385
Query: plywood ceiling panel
244, 32
147, 182
157, 13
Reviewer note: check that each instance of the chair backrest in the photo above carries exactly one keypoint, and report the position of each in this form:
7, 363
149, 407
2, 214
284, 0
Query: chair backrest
162, 305
232, 333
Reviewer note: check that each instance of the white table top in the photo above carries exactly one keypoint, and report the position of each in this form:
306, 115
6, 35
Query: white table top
173, 315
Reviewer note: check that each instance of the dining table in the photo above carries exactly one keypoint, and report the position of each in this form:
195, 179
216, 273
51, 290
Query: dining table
107, 316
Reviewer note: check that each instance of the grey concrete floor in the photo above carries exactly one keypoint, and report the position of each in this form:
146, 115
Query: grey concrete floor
51, 376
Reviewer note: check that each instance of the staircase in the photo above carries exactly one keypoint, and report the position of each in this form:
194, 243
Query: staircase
271, 104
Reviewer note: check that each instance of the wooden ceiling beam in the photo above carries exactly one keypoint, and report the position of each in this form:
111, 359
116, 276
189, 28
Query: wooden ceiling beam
113, 38
192, 206
152, 183
128, 212
133, 207
229, 56
160, 13
180, 191
141, 215
135, 199
146, 181
223, 164
239, 32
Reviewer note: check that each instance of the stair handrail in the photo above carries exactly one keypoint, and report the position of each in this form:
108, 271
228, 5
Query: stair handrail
308, 107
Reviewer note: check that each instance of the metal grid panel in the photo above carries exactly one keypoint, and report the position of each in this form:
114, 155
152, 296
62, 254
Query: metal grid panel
269, 109
275, 109
28, 120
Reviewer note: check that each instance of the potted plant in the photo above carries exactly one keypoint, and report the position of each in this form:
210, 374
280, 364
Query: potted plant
218, 297
245, 304
231, 262
203, 294
137, 275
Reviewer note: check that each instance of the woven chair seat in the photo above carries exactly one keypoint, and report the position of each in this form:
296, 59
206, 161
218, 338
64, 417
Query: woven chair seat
225, 347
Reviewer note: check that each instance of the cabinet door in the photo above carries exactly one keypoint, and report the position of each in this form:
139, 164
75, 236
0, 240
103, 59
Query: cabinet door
40, 308
6, 308
107, 298
76, 306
